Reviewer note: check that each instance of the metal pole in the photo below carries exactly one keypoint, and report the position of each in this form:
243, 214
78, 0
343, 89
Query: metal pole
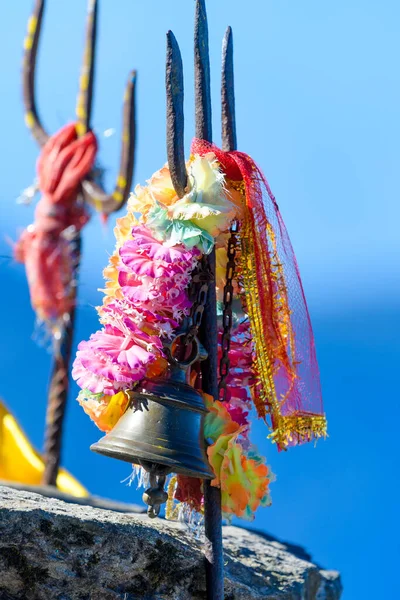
209, 328
59, 385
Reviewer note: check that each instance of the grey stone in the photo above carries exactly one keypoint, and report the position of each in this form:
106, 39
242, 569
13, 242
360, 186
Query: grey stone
95, 501
50, 549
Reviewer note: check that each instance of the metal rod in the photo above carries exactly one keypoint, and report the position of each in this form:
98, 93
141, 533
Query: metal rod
31, 44
93, 193
202, 74
229, 139
209, 329
86, 82
59, 384
175, 116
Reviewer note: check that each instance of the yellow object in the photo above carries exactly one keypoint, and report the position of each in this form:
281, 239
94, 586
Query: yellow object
104, 410
20, 463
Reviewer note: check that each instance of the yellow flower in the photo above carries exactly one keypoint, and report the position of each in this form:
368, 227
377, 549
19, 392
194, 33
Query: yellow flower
259, 477
206, 204
221, 259
159, 189
123, 232
112, 288
123, 228
140, 201
235, 494
216, 455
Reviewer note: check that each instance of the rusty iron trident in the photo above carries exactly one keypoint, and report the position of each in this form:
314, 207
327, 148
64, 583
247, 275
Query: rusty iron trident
176, 160
92, 193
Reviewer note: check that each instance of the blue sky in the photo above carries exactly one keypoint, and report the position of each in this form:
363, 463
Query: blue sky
318, 96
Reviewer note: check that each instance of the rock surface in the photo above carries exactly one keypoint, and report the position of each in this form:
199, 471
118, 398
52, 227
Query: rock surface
53, 550
95, 501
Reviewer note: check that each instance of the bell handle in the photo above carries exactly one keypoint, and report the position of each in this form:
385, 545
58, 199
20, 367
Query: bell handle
197, 353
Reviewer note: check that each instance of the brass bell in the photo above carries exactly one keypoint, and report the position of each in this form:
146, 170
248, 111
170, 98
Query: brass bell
162, 428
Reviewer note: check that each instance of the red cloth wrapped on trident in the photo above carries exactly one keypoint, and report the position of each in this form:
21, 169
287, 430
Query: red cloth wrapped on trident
45, 246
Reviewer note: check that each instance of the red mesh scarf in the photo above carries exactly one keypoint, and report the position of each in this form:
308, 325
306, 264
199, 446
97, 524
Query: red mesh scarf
45, 246
288, 385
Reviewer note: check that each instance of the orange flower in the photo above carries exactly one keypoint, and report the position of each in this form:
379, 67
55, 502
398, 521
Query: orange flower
218, 421
122, 232
235, 495
259, 478
105, 411
241, 474
157, 368
110, 273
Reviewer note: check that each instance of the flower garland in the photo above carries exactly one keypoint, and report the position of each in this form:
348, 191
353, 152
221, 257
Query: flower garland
159, 244
146, 298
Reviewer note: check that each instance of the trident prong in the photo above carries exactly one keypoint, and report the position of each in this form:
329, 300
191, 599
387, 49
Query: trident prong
175, 116
175, 96
228, 116
31, 42
202, 74
93, 193
85, 94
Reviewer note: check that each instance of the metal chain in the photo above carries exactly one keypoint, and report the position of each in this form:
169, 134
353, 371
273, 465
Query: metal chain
198, 292
227, 318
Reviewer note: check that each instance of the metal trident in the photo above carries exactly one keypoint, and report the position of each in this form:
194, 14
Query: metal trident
176, 160
92, 193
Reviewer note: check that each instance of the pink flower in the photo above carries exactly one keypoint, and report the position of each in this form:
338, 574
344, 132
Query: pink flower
164, 296
237, 414
111, 360
123, 318
241, 376
144, 255
152, 281
141, 264
144, 242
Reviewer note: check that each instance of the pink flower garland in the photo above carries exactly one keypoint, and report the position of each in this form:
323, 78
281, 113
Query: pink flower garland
153, 279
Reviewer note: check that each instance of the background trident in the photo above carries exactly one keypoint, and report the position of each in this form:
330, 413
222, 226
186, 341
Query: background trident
176, 160
92, 193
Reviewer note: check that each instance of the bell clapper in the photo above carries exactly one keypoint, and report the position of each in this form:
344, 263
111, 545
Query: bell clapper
155, 495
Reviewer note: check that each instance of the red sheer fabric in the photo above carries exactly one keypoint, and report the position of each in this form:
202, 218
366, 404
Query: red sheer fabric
288, 384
